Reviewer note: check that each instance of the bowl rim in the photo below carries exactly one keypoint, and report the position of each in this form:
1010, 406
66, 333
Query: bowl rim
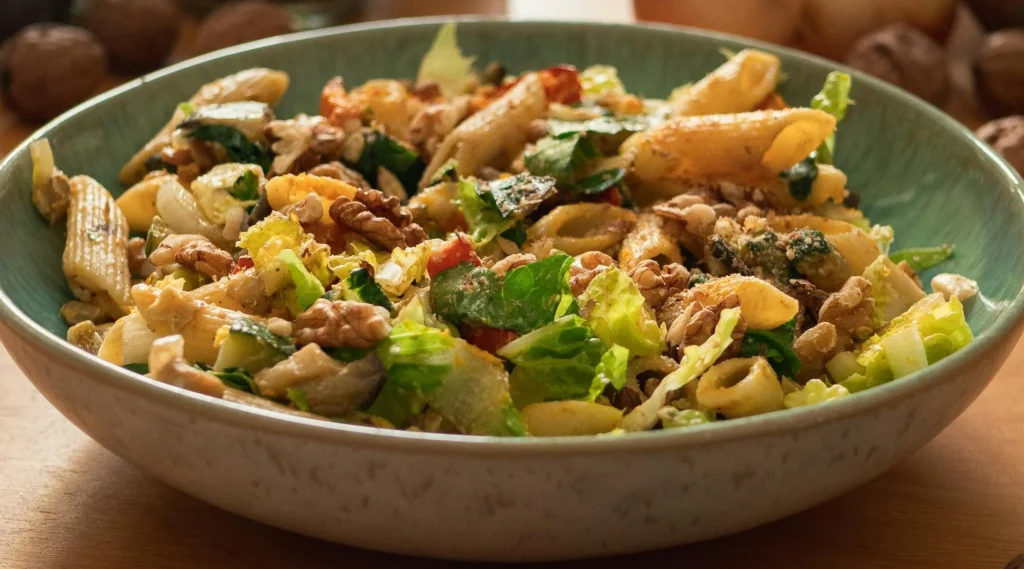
1003, 328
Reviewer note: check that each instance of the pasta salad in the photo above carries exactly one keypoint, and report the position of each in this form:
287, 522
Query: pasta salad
484, 253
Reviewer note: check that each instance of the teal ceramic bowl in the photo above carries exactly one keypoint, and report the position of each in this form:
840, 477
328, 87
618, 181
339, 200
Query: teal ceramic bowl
490, 499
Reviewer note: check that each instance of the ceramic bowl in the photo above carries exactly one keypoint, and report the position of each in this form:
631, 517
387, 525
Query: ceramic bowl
512, 500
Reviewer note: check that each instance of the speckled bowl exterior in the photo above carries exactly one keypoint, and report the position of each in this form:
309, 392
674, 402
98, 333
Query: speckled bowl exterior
512, 500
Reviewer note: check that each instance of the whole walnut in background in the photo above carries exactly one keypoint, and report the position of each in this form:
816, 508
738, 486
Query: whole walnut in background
907, 58
239, 23
1006, 136
999, 72
138, 34
48, 68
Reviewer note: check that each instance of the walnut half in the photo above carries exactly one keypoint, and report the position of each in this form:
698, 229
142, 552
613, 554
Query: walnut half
382, 220
342, 323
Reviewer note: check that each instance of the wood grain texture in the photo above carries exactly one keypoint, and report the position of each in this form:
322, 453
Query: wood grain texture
68, 503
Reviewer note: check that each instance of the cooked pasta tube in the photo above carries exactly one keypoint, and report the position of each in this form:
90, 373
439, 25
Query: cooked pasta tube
95, 255
258, 84
138, 203
496, 133
578, 228
736, 86
171, 311
111, 349
762, 306
569, 418
648, 240
856, 246
290, 189
740, 388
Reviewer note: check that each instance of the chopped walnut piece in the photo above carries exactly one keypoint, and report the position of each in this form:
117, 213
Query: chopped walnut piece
302, 140
339, 171
206, 258
698, 217
810, 297
342, 323
53, 197
657, 283
951, 285
136, 255
585, 267
167, 250
87, 336
697, 323
432, 124
382, 220
75, 312
308, 210
514, 261
850, 309
815, 347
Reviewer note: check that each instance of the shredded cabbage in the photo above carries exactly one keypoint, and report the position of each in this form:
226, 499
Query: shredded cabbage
267, 239
813, 393
611, 370
672, 418
615, 310
696, 360
892, 290
307, 288
884, 236
445, 65
598, 80
405, 267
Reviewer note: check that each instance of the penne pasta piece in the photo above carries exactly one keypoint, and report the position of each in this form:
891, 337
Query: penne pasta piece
258, 84
857, 247
290, 189
728, 148
648, 240
95, 258
495, 134
138, 203
578, 228
740, 388
171, 311
111, 349
762, 306
737, 86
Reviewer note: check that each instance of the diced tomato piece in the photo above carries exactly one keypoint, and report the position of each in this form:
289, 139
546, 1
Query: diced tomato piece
562, 84
335, 104
612, 195
486, 338
244, 262
451, 254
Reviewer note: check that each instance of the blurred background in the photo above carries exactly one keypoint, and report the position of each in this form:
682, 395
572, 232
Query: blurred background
965, 56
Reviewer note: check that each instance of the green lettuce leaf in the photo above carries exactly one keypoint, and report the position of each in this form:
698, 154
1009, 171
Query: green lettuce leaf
555, 362
834, 99
246, 187
562, 158
606, 125
615, 311
445, 65
526, 299
237, 146
599, 182
599, 80
361, 287
484, 220
776, 346
921, 258
308, 289
611, 370
382, 151
814, 392
516, 196
696, 360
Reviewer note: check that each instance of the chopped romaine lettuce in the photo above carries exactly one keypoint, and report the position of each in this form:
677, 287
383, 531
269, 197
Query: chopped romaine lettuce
465, 385
361, 287
274, 234
599, 80
246, 187
893, 291
606, 125
615, 310
599, 182
611, 370
696, 360
776, 346
883, 236
158, 231
382, 151
921, 258
526, 299
813, 393
484, 220
445, 65
237, 146
562, 157
307, 287
516, 196
834, 98
672, 418
405, 267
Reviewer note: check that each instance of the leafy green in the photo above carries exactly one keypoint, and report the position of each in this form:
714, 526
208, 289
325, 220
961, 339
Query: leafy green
251, 346
527, 298
672, 418
308, 289
448, 172
834, 99
615, 310
186, 108
814, 392
561, 157
192, 278
598, 80
696, 360
238, 147
611, 370
516, 234
776, 346
921, 258
484, 220
445, 64
361, 286
246, 187
554, 362
465, 385
516, 196
801, 178
599, 182
298, 398
275, 233
139, 368
158, 230
346, 353
237, 378
605, 125
892, 291
382, 151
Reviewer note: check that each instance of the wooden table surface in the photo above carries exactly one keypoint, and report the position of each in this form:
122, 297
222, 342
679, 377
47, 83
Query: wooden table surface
65, 502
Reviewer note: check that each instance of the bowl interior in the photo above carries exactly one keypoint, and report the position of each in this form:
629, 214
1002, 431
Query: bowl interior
915, 168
